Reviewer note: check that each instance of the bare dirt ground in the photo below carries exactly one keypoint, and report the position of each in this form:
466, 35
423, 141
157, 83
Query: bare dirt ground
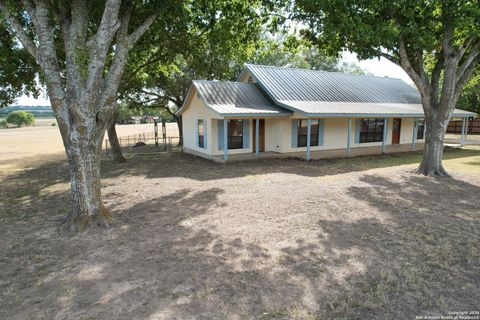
273, 239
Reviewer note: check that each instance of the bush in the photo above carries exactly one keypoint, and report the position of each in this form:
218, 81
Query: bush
3, 123
20, 118
54, 124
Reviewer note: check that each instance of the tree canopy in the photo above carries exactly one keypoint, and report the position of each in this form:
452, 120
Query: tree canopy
436, 42
18, 70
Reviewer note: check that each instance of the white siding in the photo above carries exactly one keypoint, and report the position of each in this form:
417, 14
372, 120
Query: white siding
336, 133
215, 150
278, 132
197, 110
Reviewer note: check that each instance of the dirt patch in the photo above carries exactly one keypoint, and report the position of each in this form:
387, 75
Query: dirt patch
271, 239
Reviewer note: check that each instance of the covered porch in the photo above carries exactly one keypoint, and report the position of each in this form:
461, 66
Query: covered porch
246, 137
320, 154
462, 138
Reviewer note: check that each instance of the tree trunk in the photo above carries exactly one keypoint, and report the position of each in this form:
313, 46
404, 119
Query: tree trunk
180, 131
114, 143
431, 164
86, 198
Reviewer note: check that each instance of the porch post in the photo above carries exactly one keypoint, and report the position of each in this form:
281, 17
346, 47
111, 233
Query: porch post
257, 131
466, 126
462, 139
225, 139
349, 133
384, 140
309, 130
414, 136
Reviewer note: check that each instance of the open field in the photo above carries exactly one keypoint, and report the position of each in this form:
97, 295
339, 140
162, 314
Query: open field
274, 239
27, 142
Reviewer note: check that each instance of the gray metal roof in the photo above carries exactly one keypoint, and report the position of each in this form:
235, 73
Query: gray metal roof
334, 94
359, 109
292, 84
279, 91
236, 98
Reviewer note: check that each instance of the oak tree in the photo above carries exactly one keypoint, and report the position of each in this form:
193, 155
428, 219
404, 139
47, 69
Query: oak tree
414, 34
82, 48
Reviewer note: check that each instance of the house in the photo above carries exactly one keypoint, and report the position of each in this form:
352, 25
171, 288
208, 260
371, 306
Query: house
279, 112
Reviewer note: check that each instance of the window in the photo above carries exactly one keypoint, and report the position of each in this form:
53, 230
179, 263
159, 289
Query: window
420, 128
302, 133
235, 134
201, 133
371, 130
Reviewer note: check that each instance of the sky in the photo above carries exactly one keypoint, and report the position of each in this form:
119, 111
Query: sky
382, 68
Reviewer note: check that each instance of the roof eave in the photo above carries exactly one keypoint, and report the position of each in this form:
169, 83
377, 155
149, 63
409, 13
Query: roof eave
183, 107
255, 115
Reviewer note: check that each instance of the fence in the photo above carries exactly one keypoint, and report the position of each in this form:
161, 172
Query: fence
455, 126
145, 142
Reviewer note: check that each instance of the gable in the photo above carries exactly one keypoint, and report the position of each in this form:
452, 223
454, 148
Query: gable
227, 98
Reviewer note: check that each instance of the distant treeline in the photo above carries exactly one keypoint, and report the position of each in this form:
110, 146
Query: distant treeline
37, 111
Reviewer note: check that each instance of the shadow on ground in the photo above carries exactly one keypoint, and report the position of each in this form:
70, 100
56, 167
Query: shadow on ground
190, 167
163, 259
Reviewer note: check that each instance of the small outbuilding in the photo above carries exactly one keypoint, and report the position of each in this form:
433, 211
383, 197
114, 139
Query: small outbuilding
279, 112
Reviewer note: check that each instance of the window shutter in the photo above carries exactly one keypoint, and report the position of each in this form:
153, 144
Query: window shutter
220, 134
205, 133
358, 127
321, 126
246, 133
294, 133
196, 132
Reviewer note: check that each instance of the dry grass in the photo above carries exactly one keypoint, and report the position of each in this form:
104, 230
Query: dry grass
21, 143
275, 239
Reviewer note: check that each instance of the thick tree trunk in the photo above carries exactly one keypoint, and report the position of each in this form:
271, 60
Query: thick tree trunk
431, 164
180, 130
86, 198
115, 144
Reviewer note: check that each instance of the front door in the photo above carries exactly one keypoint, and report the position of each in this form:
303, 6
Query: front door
261, 135
397, 124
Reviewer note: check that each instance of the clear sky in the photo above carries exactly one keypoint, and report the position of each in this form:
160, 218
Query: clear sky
382, 68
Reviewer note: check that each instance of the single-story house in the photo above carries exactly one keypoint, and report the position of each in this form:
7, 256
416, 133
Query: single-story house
275, 111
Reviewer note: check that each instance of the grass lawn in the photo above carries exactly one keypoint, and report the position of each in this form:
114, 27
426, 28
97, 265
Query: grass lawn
360, 238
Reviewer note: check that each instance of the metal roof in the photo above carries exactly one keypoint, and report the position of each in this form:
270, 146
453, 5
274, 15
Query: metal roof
279, 91
236, 98
359, 109
292, 84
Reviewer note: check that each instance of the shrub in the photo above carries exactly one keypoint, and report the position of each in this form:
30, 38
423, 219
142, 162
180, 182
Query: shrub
54, 124
20, 118
3, 123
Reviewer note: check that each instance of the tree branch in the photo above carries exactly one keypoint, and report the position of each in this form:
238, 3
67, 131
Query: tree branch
450, 59
161, 97
123, 46
19, 32
46, 53
473, 54
435, 82
405, 63
466, 44
462, 81
135, 35
103, 40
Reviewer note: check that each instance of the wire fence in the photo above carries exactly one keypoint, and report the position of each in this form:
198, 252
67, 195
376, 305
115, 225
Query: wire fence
143, 143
